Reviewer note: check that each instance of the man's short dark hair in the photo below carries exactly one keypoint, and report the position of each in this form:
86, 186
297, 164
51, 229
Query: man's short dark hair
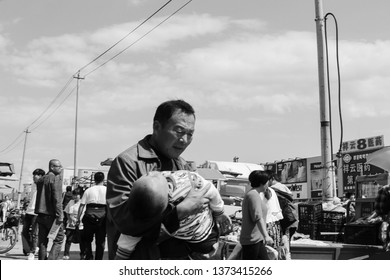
165, 110
258, 177
68, 188
76, 192
98, 177
39, 172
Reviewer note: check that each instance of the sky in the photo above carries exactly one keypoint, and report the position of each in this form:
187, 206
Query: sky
249, 68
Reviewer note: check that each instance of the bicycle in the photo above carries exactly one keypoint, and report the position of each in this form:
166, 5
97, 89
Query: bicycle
9, 231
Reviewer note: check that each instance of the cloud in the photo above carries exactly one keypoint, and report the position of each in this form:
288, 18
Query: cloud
211, 61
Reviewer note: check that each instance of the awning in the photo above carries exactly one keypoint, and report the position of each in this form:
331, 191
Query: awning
380, 158
210, 174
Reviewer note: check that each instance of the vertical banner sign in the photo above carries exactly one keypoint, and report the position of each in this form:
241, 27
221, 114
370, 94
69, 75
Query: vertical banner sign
354, 160
316, 179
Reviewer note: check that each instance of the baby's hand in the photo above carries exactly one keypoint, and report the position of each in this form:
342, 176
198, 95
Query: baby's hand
224, 223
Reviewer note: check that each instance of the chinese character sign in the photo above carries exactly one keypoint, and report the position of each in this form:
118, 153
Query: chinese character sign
354, 164
363, 144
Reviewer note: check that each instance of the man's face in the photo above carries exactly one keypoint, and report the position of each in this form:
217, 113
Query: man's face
56, 167
174, 137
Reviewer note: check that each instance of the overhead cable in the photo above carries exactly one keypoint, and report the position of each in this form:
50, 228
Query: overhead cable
136, 41
128, 34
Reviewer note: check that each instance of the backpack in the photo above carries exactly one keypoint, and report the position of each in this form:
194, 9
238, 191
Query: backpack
289, 211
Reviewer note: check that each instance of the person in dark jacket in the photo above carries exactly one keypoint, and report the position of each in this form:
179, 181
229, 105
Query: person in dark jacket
173, 129
48, 206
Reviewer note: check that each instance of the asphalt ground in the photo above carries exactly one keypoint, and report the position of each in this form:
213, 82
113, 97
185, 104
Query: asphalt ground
17, 252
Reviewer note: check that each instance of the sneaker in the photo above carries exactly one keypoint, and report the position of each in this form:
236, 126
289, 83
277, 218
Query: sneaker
30, 257
65, 258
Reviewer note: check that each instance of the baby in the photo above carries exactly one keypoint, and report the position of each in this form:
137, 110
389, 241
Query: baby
149, 198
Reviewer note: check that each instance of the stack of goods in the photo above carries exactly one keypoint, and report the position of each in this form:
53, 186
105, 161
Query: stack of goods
332, 226
310, 216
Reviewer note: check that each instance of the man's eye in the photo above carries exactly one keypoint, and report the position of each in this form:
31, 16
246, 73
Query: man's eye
179, 131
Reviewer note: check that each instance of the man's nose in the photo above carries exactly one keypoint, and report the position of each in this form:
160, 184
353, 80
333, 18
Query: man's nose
185, 138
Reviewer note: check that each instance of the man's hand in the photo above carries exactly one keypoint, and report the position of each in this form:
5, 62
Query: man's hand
58, 221
224, 223
268, 240
193, 203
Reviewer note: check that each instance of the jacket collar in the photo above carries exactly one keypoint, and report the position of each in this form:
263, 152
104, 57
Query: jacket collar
146, 151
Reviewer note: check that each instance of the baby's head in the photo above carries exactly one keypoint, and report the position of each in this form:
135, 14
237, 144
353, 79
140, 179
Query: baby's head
149, 196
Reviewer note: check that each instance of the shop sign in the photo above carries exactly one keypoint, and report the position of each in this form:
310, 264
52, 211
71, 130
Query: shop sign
316, 178
354, 164
363, 144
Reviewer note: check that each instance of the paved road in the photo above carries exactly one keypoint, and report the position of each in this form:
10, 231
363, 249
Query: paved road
17, 252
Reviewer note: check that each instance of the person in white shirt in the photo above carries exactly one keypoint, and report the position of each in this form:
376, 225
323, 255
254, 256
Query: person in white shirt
274, 214
72, 210
94, 220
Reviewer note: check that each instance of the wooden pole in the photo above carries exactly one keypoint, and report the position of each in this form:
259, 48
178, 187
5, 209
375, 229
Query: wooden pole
76, 126
21, 171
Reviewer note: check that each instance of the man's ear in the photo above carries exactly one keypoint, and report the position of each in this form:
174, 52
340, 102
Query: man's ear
156, 125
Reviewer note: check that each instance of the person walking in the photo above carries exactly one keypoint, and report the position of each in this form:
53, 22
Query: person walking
254, 235
66, 197
289, 223
273, 214
30, 225
94, 220
72, 210
48, 207
173, 130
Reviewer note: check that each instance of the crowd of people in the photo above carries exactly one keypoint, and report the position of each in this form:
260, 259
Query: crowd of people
154, 205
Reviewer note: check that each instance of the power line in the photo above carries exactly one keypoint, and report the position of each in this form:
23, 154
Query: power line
55, 110
101, 65
5, 150
128, 34
139, 39
54, 100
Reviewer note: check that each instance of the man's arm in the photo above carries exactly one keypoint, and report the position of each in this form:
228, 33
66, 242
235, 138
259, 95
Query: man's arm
121, 177
57, 199
193, 203
80, 212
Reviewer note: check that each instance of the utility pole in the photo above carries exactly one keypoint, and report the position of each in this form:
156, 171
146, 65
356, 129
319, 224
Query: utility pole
76, 125
21, 170
328, 181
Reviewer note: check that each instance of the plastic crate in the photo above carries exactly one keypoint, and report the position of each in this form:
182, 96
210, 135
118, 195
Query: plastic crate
333, 217
329, 227
310, 212
365, 234
310, 229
